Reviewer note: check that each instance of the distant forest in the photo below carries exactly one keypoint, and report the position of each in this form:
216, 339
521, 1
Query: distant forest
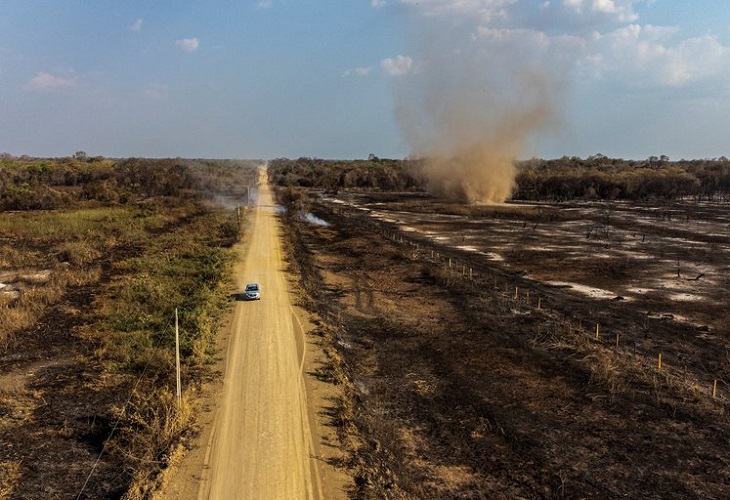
562, 179
49, 183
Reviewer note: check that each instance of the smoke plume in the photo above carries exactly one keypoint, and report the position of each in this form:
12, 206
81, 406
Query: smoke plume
475, 97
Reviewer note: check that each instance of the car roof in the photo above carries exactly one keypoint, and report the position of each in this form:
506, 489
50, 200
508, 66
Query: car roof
252, 285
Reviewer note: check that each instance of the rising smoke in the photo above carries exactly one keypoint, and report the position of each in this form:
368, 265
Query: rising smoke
474, 99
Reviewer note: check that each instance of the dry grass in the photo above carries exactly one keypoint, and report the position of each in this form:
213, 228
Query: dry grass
71, 225
158, 422
9, 478
101, 272
36, 291
103, 283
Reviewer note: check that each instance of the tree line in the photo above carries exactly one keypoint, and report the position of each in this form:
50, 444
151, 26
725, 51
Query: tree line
335, 175
562, 179
601, 177
51, 183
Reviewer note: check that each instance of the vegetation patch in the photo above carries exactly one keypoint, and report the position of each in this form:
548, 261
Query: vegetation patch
90, 288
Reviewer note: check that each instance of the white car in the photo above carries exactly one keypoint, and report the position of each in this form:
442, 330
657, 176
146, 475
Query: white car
252, 292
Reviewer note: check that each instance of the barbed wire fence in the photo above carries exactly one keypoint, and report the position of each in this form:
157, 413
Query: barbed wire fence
526, 296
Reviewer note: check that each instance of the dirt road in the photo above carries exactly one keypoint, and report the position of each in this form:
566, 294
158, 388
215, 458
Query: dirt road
261, 445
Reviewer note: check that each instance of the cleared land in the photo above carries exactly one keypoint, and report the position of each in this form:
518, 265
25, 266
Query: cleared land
463, 387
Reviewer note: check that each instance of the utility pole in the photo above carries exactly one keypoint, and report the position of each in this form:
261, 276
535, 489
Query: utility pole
177, 361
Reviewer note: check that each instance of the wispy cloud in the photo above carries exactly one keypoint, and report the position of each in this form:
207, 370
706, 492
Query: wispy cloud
356, 72
485, 10
265, 4
550, 14
620, 10
48, 81
397, 66
155, 91
188, 44
376, 4
137, 24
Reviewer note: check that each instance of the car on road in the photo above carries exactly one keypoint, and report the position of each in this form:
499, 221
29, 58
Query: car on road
252, 292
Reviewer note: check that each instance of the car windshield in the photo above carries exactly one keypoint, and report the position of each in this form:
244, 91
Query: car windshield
252, 288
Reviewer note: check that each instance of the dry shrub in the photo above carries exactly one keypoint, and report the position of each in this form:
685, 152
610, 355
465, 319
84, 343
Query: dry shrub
38, 290
83, 276
14, 258
606, 370
13, 320
77, 253
9, 478
158, 423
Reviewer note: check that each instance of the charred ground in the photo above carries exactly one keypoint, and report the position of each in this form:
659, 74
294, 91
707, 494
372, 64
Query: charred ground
461, 387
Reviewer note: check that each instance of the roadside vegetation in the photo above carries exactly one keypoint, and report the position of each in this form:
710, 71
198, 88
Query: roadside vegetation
96, 255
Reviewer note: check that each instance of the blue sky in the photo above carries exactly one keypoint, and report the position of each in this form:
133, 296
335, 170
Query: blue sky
345, 78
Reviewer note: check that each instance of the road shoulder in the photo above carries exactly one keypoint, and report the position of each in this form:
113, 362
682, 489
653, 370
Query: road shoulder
321, 397
182, 479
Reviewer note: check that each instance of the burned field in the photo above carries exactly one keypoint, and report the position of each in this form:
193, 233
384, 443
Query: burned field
514, 351
91, 273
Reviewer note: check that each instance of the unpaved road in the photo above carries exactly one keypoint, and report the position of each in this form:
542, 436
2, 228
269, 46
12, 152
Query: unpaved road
258, 442
262, 443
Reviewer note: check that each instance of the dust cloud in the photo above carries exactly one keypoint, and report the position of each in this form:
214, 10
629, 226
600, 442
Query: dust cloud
475, 98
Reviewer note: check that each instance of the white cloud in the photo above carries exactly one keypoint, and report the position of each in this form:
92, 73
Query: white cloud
376, 4
188, 44
645, 56
356, 72
397, 66
137, 24
570, 34
48, 81
620, 10
265, 4
548, 15
485, 10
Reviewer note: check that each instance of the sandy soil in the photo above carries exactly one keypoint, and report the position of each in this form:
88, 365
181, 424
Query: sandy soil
261, 434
